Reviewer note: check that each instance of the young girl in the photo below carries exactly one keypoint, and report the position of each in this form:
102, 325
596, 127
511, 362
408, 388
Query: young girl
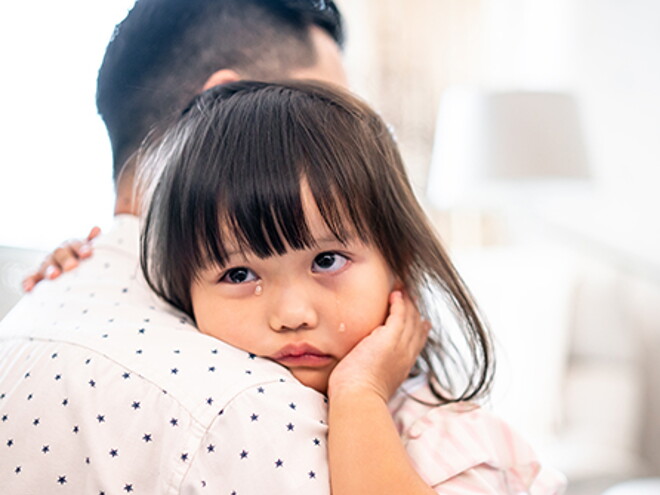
281, 220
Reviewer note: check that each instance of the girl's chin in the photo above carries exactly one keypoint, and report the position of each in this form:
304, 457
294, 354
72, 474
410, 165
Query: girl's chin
319, 382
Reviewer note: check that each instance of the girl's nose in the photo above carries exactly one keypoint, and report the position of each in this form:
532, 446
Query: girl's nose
292, 309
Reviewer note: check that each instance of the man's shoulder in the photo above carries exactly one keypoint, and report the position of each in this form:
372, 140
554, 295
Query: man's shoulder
146, 420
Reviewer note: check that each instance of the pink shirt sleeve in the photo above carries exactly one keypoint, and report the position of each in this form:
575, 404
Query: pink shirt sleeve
461, 449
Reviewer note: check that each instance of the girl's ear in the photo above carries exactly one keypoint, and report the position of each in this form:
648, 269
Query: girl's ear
222, 76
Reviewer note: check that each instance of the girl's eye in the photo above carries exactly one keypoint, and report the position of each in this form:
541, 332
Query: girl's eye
329, 262
239, 275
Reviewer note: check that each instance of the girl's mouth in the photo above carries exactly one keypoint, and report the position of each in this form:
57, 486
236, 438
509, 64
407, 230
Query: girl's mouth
302, 355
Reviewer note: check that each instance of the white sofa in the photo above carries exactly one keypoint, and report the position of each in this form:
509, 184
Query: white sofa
578, 340
14, 265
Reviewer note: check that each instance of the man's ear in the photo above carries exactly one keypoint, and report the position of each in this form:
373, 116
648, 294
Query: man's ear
222, 76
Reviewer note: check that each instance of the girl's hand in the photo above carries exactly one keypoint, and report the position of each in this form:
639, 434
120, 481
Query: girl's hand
382, 360
64, 258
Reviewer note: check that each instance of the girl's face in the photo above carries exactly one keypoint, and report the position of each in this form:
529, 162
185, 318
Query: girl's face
305, 309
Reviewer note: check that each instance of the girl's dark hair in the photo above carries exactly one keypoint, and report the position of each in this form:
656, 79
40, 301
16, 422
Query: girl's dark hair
231, 170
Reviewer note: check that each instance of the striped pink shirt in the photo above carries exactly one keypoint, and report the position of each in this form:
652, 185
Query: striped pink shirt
461, 449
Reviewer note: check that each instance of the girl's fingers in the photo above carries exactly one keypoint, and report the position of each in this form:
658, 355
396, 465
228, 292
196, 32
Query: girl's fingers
404, 324
416, 329
84, 251
397, 309
412, 317
31, 280
93, 233
63, 259
47, 269
66, 258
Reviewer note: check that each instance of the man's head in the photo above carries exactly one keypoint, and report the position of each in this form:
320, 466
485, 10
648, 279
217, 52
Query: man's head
167, 51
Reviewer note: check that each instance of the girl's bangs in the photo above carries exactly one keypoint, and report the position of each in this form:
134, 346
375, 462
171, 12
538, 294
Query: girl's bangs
253, 200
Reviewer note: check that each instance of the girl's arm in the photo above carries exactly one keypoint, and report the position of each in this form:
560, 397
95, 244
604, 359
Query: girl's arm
366, 455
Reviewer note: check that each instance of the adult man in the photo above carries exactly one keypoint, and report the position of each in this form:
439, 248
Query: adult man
105, 389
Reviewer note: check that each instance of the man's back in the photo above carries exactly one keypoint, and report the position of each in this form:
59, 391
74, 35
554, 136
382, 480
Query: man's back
104, 389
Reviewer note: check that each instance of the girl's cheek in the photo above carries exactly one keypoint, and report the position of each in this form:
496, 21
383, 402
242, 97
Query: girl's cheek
240, 291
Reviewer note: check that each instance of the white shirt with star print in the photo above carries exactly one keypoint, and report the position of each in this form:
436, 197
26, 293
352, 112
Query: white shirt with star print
106, 390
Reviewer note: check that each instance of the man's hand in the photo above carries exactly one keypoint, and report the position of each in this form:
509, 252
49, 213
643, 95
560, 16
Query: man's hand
64, 258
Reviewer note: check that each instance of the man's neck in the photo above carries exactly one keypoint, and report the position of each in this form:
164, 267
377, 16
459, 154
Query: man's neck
125, 203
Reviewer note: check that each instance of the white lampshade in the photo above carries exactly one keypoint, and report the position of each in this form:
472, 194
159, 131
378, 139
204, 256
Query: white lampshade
488, 144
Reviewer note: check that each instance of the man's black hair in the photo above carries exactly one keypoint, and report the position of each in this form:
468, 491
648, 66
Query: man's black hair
163, 52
